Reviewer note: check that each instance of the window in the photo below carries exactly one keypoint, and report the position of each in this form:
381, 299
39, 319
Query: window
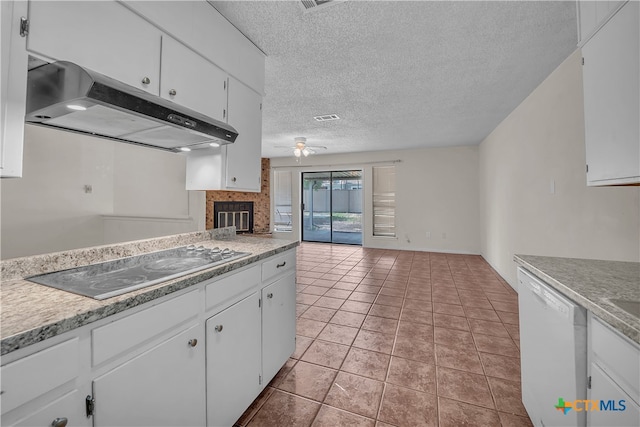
384, 201
282, 200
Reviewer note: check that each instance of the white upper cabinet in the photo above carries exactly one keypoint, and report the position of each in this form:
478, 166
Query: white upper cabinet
201, 27
14, 85
102, 36
243, 156
233, 167
185, 52
612, 98
189, 79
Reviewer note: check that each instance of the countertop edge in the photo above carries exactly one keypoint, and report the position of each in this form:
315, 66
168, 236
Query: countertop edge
604, 313
32, 336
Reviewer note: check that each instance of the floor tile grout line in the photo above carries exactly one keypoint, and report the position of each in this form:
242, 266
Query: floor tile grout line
405, 298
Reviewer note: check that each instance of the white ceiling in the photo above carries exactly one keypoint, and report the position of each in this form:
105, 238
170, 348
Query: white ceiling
399, 74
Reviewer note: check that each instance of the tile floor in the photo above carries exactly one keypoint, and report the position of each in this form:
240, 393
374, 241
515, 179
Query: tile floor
397, 338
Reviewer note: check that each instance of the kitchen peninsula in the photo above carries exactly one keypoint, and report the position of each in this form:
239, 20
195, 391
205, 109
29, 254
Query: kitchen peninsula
122, 352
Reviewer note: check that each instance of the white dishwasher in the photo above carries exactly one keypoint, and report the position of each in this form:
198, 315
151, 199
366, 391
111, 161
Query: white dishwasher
553, 352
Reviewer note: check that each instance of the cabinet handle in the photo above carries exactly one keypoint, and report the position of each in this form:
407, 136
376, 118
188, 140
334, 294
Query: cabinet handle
59, 422
218, 328
281, 265
234, 179
172, 92
146, 80
270, 295
193, 342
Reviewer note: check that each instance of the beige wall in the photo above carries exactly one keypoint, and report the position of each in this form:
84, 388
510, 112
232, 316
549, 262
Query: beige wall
137, 193
541, 143
437, 191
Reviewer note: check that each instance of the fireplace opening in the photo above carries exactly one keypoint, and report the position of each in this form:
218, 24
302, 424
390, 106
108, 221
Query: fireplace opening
239, 214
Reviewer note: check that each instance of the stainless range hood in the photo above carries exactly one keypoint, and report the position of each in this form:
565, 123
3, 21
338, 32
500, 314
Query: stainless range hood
66, 96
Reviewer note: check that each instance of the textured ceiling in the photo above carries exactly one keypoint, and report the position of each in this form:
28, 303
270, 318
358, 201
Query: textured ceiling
400, 74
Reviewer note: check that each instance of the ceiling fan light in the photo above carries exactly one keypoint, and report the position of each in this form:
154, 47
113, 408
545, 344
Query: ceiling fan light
305, 151
297, 152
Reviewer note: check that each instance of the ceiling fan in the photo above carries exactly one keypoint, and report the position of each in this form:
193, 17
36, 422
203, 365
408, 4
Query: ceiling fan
302, 149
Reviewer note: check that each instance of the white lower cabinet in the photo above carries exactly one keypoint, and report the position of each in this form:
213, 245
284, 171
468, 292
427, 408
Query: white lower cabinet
278, 324
614, 377
161, 387
162, 364
233, 361
618, 409
69, 410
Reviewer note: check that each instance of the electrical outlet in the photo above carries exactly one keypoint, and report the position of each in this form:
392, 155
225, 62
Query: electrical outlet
427, 234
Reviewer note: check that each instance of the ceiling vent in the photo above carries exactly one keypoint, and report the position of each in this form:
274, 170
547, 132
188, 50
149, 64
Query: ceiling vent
313, 5
326, 117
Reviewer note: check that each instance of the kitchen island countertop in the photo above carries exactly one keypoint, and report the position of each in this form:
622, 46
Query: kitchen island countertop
32, 313
592, 284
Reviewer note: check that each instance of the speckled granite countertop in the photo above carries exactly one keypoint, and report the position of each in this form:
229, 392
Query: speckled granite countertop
33, 312
592, 284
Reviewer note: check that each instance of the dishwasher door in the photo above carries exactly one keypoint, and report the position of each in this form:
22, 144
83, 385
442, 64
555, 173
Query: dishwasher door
553, 353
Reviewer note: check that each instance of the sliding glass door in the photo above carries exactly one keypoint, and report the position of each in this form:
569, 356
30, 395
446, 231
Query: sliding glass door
332, 207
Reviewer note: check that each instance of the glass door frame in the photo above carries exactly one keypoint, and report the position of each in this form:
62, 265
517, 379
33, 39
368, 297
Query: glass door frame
303, 208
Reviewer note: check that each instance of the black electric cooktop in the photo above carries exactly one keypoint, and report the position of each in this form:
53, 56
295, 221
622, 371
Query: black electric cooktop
111, 278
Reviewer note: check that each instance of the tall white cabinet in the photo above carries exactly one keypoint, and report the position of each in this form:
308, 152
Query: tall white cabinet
612, 99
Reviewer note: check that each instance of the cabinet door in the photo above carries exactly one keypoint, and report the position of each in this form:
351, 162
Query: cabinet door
611, 100
243, 156
605, 389
190, 80
233, 361
71, 407
278, 325
14, 88
103, 36
161, 387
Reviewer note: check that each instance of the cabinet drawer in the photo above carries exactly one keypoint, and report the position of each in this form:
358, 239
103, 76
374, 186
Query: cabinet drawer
70, 406
278, 265
223, 290
33, 376
617, 356
124, 334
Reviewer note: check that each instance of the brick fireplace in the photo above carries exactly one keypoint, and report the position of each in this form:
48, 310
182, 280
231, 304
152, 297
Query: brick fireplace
261, 202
